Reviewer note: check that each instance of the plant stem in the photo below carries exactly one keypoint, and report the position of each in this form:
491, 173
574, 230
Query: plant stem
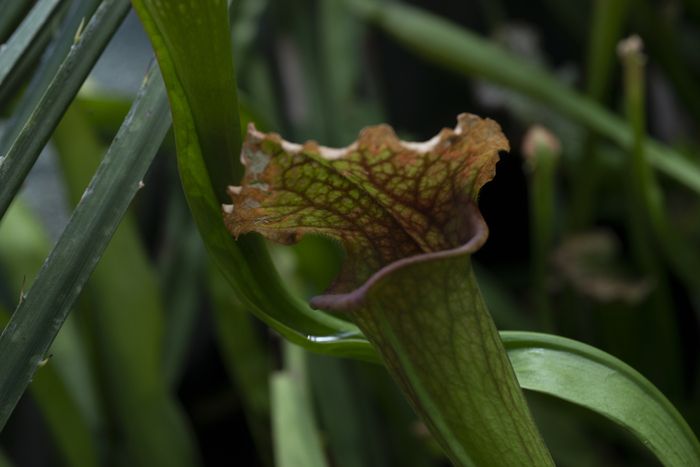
542, 149
645, 210
426, 317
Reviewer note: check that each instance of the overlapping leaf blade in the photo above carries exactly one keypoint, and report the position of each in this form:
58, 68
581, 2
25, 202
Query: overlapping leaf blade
208, 140
33, 326
24, 36
593, 379
22, 151
455, 48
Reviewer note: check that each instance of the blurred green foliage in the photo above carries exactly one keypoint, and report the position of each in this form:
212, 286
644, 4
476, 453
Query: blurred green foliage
161, 364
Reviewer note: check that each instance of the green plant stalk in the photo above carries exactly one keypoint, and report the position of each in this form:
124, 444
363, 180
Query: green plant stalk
35, 322
542, 235
662, 39
444, 43
647, 194
645, 208
606, 30
23, 151
647, 197
426, 317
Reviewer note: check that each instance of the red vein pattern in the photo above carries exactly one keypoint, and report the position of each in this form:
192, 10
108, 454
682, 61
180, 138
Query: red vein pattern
382, 198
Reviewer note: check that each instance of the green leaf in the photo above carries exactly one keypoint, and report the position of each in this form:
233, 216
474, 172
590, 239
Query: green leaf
607, 22
208, 144
12, 12
22, 39
406, 217
127, 317
445, 43
47, 68
593, 379
297, 442
26, 339
24, 246
71, 432
22, 151
347, 414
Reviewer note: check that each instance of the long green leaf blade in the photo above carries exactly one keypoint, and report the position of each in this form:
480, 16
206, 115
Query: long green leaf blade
455, 48
593, 379
54, 56
24, 245
208, 151
35, 322
22, 39
127, 318
71, 433
24, 150
12, 11
296, 437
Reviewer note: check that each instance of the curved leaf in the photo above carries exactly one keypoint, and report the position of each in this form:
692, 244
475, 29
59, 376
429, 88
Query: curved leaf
202, 91
591, 378
458, 49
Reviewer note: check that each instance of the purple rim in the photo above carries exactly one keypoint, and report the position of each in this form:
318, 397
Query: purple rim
353, 300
